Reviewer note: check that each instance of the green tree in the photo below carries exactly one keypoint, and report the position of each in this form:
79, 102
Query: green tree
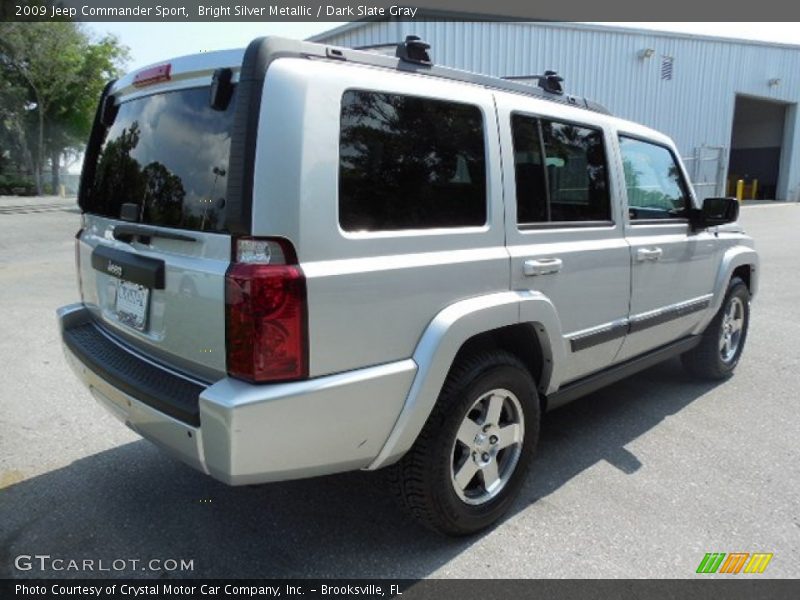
61, 70
15, 155
70, 118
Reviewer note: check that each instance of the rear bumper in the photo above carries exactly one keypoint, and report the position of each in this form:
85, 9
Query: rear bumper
237, 432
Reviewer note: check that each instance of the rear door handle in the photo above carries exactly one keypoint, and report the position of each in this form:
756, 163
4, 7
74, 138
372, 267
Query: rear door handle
643, 254
542, 266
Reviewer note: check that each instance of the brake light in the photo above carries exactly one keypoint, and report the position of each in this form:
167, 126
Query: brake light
265, 312
153, 75
78, 259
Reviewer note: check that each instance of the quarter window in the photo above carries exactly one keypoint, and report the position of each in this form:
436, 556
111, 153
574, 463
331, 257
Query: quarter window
655, 186
410, 163
560, 171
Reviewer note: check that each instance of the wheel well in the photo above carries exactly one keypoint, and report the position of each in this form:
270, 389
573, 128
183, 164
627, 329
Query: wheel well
743, 273
521, 340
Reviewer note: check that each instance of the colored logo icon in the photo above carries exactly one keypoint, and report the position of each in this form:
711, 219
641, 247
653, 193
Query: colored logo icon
735, 563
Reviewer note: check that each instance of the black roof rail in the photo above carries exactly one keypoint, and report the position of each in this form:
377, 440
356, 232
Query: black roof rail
386, 45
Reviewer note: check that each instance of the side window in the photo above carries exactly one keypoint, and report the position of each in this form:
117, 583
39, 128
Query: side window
576, 173
561, 173
410, 163
656, 189
529, 170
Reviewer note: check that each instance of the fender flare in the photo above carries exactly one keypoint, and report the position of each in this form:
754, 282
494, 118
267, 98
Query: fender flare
444, 337
732, 259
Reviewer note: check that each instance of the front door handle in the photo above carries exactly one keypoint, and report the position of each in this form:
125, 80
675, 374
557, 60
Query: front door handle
541, 266
643, 254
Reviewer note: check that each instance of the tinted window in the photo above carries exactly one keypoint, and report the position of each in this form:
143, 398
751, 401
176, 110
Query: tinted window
576, 172
570, 184
167, 154
656, 189
529, 171
410, 163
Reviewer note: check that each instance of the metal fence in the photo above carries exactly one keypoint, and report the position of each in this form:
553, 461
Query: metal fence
707, 170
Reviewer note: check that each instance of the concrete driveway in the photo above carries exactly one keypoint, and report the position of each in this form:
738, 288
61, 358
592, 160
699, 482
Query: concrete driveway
638, 480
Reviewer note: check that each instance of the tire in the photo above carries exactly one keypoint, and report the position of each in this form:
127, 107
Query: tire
720, 348
430, 479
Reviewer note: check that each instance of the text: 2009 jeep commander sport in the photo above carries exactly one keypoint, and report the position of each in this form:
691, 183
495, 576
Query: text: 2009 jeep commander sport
297, 259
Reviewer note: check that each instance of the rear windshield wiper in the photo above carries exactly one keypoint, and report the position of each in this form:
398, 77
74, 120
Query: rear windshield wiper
125, 233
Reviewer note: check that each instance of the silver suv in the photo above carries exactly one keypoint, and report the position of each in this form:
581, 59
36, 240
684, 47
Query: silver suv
298, 259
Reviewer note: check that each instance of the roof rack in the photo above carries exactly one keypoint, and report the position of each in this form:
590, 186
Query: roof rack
414, 50
411, 55
549, 82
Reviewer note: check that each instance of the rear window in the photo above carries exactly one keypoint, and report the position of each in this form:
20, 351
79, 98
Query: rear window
167, 155
407, 162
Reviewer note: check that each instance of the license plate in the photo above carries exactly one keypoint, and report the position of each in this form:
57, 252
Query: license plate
132, 300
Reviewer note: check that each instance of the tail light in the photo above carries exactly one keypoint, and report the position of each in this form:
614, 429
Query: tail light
78, 259
265, 312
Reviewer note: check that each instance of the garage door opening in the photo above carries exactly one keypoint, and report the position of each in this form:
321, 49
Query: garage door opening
756, 146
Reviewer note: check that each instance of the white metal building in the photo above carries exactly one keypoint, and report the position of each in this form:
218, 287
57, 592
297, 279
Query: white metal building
730, 105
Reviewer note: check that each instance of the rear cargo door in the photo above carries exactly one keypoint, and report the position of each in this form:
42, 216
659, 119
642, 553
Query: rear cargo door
154, 247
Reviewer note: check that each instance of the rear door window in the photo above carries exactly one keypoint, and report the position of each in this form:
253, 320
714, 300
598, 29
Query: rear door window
407, 162
166, 155
560, 171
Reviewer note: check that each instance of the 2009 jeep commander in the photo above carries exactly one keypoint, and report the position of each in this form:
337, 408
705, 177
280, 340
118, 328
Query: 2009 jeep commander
298, 259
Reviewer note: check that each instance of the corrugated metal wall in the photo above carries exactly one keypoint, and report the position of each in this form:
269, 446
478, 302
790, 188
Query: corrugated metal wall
695, 107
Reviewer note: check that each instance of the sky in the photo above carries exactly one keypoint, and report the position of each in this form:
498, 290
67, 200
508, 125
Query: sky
153, 42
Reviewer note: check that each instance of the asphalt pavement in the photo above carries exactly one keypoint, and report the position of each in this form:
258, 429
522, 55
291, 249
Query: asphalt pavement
640, 479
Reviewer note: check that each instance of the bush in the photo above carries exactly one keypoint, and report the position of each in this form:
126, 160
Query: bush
16, 185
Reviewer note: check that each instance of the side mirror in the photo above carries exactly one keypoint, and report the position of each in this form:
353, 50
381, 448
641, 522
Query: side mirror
715, 211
